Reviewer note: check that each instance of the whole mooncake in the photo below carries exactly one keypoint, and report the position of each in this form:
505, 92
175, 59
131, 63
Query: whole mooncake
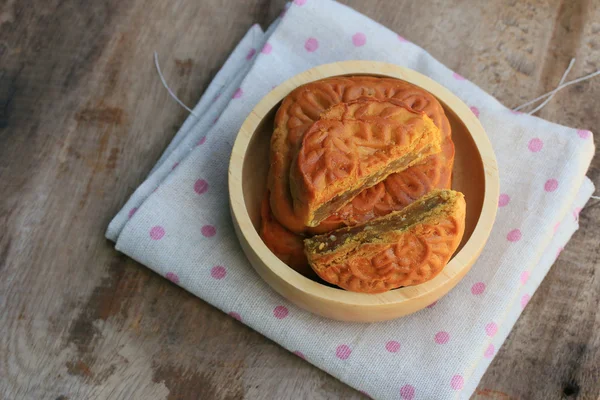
403, 248
353, 146
305, 105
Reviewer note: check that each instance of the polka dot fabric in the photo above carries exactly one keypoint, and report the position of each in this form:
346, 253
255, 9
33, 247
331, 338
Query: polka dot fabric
184, 232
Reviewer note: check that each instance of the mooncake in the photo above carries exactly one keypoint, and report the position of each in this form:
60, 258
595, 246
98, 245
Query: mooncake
287, 246
402, 248
353, 146
305, 105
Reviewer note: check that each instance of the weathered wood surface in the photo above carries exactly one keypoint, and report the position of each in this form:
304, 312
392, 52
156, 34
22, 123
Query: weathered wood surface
83, 117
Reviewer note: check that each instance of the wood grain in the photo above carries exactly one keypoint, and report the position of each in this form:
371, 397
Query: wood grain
83, 118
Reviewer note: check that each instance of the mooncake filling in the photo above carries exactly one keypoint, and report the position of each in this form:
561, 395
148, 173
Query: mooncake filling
373, 230
333, 205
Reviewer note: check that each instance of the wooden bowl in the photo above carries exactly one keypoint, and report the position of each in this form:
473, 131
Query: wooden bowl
475, 174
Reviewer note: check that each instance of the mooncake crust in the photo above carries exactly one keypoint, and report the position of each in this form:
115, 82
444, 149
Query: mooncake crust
409, 255
303, 106
286, 246
354, 146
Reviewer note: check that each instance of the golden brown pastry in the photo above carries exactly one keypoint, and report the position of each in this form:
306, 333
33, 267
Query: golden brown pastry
287, 246
403, 248
303, 106
354, 146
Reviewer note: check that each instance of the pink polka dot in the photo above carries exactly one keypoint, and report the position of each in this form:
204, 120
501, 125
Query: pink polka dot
132, 211
208, 231
478, 288
201, 141
200, 186
432, 304
157, 232
218, 272
299, 354
442, 337
311, 44
475, 111
175, 165
280, 312
299, 2
524, 277
250, 54
584, 134
556, 226
343, 352
489, 352
491, 329
551, 185
407, 392
359, 39
238, 93
525, 300
172, 277
514, 235
235, 316
560, 250
516, 112
392, 346
503, 200
267, 48
576, 213
457, 382
458, 77
402, 39
535, 145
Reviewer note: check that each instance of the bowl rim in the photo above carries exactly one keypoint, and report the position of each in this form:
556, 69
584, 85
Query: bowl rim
453, 271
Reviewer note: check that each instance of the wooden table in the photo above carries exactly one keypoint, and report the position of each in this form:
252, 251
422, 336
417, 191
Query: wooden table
83, 117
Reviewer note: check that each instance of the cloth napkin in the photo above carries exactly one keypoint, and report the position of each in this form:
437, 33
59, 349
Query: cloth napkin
178, 222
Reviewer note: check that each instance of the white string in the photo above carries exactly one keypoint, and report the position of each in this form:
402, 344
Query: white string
562, 80
549, 95
552, 93
162, 78
560, 87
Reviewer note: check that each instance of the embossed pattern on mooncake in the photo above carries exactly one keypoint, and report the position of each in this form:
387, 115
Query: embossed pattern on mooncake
305, 105
404, 248
353, 146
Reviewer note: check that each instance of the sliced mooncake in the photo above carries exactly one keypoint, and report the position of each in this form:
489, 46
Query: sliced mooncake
305, 105
403, 248
354, 146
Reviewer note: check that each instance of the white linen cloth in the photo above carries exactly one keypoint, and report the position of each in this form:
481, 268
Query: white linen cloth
178, 222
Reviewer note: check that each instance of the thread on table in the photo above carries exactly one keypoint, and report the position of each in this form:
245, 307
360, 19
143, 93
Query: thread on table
562, 80
561, 85
548, 96
162, 78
